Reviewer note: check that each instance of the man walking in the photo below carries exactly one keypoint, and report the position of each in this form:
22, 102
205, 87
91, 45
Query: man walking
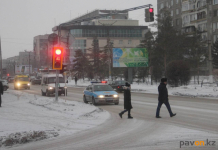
1, 93
163, 98
127, 101
75, 80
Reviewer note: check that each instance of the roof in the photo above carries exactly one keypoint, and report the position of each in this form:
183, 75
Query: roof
52, 75
22, 76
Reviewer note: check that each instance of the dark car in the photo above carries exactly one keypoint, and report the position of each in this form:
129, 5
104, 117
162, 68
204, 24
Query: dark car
36, 81
118, 85
11, 80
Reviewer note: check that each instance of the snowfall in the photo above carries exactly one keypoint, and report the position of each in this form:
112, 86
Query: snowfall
26, 118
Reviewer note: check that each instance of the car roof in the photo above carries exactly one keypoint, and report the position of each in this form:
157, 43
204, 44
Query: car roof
52, 75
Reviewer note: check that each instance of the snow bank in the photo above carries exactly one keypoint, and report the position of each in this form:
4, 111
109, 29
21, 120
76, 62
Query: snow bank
192, 90
26, 117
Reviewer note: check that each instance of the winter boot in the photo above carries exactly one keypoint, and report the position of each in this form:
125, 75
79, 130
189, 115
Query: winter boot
172, 115
158, 116
120, 114
130, 117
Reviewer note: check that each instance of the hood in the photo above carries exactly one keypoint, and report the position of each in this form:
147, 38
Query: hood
53, 84
105, 93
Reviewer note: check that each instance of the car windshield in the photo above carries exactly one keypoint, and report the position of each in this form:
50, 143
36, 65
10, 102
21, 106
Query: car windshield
23, 79
120, 82
103, 88
53, 79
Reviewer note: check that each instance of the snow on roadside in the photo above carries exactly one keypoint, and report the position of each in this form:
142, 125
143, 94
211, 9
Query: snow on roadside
26, 117
209, 91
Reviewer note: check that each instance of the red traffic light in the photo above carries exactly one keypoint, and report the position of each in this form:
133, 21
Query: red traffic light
8, 74
103, 81
151, 10
58, 51
57, 58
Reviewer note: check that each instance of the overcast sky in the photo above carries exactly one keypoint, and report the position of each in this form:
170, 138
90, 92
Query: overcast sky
21, 20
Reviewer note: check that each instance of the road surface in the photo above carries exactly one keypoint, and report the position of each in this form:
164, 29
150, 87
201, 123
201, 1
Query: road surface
196, 120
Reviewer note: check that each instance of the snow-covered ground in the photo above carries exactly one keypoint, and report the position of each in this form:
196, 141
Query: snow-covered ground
192, 90
26, 117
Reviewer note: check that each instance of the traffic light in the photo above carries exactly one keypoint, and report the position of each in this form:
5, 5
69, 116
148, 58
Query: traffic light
149, 14
57, 58
8, 74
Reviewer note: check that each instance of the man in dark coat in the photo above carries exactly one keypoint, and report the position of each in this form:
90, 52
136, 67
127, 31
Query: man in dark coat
75, 80
127, 101
163, 98
1, 93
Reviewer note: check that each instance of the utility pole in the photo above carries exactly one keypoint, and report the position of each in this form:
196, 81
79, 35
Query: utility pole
209, 34
29, 63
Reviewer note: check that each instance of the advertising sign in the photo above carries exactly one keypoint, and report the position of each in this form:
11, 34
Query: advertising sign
130, 57
23, 69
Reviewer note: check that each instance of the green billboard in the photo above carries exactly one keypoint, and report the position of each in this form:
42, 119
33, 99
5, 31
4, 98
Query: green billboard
130, 57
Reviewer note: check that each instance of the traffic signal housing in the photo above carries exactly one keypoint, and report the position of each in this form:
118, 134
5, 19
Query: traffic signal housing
57, 58
149, 14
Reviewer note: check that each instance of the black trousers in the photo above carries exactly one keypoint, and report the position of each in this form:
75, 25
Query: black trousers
159, 106
129, 110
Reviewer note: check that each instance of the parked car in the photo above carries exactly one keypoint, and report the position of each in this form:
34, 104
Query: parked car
100, 93
11, 80
36, 81
5, 84
118, 85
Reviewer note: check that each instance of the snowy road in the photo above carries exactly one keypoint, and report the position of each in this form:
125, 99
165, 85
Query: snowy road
196, 120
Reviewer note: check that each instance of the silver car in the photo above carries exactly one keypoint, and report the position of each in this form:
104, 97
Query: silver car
5, 84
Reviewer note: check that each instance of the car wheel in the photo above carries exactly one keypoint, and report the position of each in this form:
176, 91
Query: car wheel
93, 101
84, 99
116, 103
5, 88
43, 94
47, 93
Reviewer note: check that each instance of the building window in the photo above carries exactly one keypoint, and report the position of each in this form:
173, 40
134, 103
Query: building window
177, 1
120, 41
177, 22
201, 15
171, 12
215, 2
161, 5
167, 4
171, 2
215, 38
215, 13
177, 11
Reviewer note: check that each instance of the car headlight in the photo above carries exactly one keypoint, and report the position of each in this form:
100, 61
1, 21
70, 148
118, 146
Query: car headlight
28, 84
115, 95
101, 96
18, 84
50, 88
65, 87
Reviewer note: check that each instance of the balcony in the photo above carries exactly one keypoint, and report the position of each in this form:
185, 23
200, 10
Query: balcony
199, 20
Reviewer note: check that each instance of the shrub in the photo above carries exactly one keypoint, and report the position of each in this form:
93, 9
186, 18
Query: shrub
178, 73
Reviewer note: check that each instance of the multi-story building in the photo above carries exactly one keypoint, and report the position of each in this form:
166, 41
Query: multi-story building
175, 8
41, 50
122, 31
26, 58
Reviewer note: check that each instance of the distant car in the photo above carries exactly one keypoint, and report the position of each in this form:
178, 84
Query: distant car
11, 80
36, 81
100, 93
118, 85
5, 84
32, 78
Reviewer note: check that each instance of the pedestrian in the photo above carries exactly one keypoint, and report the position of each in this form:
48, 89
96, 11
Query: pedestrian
163, 98
75, 80
127, 100
1, 93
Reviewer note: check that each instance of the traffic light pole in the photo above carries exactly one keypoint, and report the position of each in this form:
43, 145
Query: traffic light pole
56, 85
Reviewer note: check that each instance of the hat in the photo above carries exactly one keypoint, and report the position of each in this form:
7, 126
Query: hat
127, 84
164, 80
